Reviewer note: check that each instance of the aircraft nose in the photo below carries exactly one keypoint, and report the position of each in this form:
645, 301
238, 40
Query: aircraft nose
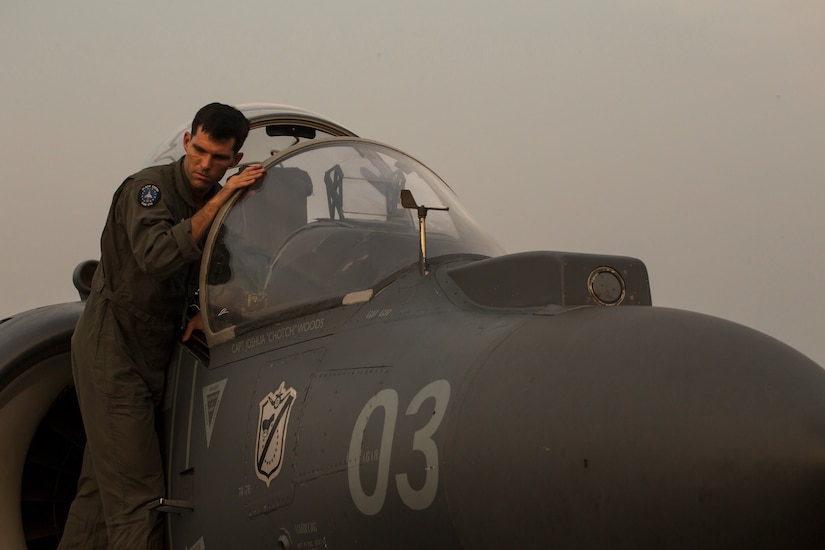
639, 427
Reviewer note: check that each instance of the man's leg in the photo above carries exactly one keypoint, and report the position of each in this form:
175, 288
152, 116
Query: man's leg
134, 474
85, 527
118, 416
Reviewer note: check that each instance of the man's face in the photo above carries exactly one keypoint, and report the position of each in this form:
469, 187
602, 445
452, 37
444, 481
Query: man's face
207, 160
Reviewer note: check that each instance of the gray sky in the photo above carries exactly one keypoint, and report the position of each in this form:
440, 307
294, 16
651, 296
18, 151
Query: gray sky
688, 133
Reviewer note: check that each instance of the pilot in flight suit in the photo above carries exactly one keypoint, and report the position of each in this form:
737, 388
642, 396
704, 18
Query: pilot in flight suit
123, 340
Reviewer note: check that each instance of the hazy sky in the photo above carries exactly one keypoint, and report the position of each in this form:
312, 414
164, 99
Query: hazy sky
688, 134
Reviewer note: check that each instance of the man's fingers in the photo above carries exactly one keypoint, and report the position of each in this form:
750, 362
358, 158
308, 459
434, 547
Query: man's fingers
249, 176
195, 323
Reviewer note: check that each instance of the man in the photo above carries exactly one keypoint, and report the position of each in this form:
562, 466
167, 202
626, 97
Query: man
150, 249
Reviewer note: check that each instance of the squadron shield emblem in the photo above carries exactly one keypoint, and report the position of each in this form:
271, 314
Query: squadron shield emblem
273, 420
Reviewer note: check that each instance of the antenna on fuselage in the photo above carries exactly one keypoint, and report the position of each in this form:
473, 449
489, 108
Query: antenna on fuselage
408, 201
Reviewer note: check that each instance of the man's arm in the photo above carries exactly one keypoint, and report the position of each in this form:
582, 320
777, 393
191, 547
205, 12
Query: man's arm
204, 217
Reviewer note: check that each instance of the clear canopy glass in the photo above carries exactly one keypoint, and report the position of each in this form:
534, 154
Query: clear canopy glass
326, 221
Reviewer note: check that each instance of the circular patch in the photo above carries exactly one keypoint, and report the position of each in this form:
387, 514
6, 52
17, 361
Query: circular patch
149, 195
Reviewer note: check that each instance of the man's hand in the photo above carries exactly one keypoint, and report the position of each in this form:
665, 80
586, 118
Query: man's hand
250, 175
195, 323
203, 218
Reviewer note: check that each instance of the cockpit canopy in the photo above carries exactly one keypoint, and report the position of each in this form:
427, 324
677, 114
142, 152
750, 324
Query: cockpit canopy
325, 222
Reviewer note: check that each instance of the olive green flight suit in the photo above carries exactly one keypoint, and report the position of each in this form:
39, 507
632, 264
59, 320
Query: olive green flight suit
120, 350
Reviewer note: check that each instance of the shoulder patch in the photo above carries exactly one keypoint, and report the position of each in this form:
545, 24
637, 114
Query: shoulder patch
149, 195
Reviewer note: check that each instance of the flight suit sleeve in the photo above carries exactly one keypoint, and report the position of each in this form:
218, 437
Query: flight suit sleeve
160, 243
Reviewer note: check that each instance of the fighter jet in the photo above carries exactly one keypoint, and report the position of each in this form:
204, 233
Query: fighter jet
376, 372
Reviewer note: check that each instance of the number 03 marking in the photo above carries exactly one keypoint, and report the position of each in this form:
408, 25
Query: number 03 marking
416, 499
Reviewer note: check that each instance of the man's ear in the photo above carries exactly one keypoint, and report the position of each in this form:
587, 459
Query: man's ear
238, 157
187, 137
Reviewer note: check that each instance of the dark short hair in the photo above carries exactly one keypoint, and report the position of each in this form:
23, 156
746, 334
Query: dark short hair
222, 122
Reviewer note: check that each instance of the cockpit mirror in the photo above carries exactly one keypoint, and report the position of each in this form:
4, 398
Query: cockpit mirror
275, 130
